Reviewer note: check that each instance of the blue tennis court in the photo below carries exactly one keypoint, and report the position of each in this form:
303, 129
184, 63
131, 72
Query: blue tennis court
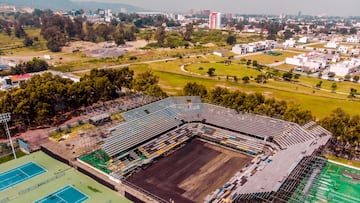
19, 174
66, 194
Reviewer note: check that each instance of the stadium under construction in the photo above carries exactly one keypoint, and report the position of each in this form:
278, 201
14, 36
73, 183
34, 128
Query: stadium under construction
283, 160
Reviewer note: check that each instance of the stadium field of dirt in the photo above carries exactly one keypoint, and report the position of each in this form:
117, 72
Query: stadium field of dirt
191, 173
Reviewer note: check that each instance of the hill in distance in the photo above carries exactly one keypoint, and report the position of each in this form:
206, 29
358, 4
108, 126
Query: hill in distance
69, 5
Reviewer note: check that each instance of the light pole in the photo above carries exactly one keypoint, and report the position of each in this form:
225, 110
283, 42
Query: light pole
4, 118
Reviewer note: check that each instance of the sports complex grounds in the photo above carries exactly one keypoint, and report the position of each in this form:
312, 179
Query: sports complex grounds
42, 179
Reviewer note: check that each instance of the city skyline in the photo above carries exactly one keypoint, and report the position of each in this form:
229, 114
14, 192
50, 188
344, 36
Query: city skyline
307, 7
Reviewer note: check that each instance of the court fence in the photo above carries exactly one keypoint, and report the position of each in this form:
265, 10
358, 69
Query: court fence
97, 178
55, 156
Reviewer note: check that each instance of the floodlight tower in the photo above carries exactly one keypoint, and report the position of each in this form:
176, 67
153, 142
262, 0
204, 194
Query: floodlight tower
4, 118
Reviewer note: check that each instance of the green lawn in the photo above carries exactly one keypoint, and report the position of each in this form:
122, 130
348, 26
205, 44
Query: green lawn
344, 86
319, 45
223, 70
269, 59
344, 161
285, 67
10, 157
47, 184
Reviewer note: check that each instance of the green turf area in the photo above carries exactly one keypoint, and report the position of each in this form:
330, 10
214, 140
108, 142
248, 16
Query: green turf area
222, 70
317, 45
344, 161
333, 186
98, 159
306, 97
269, 59
10, 156
58, 175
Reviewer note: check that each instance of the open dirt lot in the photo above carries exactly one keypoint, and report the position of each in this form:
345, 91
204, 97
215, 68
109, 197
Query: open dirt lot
103, 49
191, 173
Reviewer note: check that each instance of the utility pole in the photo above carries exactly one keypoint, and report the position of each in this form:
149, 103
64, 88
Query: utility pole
4, 118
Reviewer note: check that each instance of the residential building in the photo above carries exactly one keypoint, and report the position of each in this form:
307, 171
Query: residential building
215, 20
343, 49
312, 61
289, 43
332, 45
303, 40
254, 47
346, 67
353, 39
13, 81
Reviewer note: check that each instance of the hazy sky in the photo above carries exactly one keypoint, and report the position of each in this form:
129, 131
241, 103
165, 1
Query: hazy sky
313, 7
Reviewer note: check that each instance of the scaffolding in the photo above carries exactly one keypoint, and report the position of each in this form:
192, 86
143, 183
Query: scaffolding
294, 187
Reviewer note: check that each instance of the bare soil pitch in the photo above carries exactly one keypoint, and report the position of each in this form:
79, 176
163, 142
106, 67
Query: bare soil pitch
191, 173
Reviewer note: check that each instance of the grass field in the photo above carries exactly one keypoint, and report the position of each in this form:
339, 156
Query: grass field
302, 92
47, 183
269, 59
223, 70
344, 161
318, 45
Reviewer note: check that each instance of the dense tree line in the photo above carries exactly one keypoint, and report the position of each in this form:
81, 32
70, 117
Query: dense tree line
251, 103
345, 128
40, 99
59, 30
47, 99
35, 65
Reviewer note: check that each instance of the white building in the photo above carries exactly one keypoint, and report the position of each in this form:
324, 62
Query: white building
346, 67
303, 40
254, 47
352, 39
312, 61
215, 20
289, 43
332, 45
343, 49
355, 52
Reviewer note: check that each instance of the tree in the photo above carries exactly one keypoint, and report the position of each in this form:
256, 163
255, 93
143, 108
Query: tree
296, 76
343, 31
231, 40
260, 78
255, 63
353, 31
347, 77
19, 31
144, 80
333, 87
287, 76
188, 32
53, 45
194, 89
356, 78
353, 92
318, 85
294, 114
211, 71
288, 34
248, 62
246, 79
28, 41
331, 74
119, 39
147, 36
160, 36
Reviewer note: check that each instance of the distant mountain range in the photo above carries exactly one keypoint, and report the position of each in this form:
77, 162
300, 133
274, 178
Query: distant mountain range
68, 5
